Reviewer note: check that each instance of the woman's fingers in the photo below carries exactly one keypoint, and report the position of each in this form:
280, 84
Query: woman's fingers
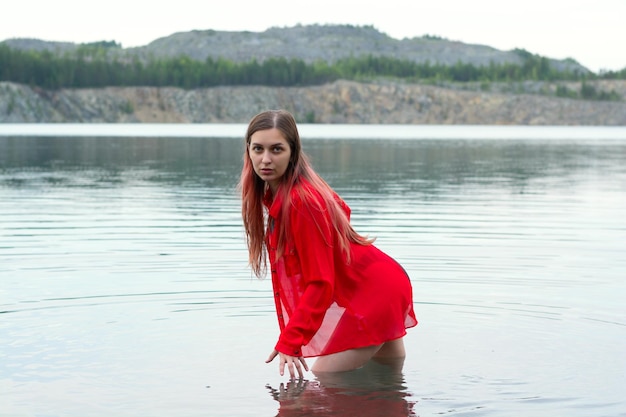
301, 359
298, 363
272, 356
294, 364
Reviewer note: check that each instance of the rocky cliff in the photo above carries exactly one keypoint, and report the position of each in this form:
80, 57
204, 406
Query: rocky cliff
339, 102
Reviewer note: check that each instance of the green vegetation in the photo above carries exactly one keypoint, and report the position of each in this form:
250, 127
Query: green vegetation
614, 75
434, 38
586, 92
127, 107
589, 92
100, 65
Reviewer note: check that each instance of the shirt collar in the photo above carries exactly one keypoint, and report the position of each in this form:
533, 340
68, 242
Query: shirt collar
272, 202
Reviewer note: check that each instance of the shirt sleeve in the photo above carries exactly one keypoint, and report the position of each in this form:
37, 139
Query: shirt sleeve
312, 234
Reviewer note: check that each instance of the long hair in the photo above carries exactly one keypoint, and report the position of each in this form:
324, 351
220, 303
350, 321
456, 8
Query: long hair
253, 189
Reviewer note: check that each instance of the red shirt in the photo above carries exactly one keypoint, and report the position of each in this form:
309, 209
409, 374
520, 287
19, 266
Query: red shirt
325, 304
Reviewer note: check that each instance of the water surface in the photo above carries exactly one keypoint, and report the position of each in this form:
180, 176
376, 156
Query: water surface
125, 291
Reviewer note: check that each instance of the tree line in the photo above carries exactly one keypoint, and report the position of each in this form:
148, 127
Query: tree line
93, 66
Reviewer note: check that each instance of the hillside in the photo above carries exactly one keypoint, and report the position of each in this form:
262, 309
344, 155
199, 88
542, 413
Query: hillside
309, 43
329, 43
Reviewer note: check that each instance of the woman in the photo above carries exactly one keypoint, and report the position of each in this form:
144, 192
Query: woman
337, 296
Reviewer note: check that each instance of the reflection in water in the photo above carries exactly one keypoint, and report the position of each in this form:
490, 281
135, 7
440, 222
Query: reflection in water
368, 166
113, 161
427, 167
374, 390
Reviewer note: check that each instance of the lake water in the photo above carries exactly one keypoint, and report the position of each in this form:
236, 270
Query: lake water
124, 289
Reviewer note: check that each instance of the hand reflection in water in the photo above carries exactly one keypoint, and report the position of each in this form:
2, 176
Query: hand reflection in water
376, 389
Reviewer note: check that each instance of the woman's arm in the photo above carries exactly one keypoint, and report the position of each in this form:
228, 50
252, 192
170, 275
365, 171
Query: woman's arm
312, 234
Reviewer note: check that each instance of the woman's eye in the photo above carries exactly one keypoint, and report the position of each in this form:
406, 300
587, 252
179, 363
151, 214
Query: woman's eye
277, 149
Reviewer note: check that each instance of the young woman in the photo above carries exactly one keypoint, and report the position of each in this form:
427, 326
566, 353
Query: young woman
337, 296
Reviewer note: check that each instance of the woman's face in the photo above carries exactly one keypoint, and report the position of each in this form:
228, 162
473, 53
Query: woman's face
270, 153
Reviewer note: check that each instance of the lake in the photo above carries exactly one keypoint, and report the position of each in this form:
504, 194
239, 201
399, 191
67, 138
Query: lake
125, 289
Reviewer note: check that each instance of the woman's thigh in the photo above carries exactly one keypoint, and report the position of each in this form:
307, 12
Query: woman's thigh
346, 360
393, 349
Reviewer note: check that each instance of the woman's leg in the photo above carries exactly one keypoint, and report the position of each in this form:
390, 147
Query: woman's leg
355, 358
393, 349
344, 361
391, 354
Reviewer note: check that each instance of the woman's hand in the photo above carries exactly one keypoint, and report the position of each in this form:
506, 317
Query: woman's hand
294, 363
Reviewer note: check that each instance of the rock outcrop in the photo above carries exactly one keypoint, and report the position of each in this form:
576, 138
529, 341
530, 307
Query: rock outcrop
339, 102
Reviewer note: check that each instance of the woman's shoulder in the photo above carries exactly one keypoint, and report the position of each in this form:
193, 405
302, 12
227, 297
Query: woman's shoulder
304, 193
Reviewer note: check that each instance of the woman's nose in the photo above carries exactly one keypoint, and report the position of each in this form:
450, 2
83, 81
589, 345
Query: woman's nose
266, 157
